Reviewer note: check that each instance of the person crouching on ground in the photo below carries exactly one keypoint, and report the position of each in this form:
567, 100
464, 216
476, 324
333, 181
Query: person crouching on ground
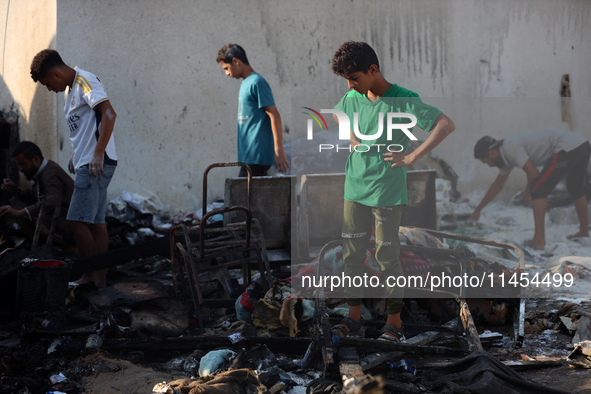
561, 153
52, 188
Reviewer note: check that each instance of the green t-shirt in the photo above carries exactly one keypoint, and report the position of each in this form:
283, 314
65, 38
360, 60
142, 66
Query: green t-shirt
369, 180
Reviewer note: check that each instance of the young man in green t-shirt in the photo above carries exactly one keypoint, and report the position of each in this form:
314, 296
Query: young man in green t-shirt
375, 181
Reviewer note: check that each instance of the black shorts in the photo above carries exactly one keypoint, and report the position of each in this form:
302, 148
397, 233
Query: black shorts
573, 164
255, 170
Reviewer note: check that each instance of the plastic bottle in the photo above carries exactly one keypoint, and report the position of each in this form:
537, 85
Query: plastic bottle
93, 344
280, 385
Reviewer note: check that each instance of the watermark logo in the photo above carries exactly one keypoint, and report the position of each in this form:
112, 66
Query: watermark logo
317, 117
345, 129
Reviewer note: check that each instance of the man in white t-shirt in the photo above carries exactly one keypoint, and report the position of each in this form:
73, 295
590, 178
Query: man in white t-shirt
90, 118
560, 153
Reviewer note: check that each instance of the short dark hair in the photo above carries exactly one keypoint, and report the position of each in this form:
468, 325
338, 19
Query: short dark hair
485, 144
354, 56
231, 51
27, 148
43, 62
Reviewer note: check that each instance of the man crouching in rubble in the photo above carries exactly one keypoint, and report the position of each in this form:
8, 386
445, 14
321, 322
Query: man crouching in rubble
561, 153
52, 188
91, 119
375, 182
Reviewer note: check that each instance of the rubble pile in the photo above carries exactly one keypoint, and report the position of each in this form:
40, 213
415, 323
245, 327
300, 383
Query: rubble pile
137, 320
145, 333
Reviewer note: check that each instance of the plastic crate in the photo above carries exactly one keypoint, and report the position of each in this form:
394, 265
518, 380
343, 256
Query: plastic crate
42, 284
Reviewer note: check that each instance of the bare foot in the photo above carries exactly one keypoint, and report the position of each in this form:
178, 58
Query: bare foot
578, 235
97, 278
100, 279
534, 244
84, 279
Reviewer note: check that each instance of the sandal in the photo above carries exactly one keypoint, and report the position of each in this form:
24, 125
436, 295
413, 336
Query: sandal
392, 334
349, 327
577, 236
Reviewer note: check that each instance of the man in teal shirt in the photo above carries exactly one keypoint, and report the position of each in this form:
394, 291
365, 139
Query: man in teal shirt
375, 181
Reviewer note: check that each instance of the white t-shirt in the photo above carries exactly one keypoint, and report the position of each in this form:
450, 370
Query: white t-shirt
537, 145
83, 121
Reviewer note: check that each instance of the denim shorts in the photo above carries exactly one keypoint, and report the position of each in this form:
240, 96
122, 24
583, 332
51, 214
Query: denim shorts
89, 200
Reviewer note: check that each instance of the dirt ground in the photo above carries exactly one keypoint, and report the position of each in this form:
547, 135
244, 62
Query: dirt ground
540, 344
133, 372
117, 370
131, 378
571, 380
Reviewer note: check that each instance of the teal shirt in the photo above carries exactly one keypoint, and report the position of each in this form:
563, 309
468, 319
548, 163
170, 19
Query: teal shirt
255, 135
369, 180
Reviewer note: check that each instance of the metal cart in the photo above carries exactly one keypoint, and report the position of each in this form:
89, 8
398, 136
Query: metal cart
200, 249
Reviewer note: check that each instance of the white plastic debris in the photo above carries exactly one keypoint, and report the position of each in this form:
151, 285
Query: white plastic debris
163, 388
235, 337
210, 207
147, 202
60, 377
569, 323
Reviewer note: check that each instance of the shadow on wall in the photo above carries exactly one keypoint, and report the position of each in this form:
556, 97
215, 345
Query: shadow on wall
38, 127
9, 134
42, 126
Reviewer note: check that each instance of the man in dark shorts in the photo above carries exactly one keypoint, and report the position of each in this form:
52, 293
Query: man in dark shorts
561, 153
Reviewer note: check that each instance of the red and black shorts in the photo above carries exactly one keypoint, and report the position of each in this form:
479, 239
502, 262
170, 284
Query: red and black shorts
573, 164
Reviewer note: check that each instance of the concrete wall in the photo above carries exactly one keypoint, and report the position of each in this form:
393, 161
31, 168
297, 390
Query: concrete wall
27, 27
177, 111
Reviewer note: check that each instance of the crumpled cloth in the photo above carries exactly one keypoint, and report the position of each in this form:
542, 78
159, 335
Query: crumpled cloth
581, 356
239, 381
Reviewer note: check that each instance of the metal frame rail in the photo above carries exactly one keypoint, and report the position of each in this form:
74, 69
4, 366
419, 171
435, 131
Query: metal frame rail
198, 249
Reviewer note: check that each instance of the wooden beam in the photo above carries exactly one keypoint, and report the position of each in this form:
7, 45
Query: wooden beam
469, 326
